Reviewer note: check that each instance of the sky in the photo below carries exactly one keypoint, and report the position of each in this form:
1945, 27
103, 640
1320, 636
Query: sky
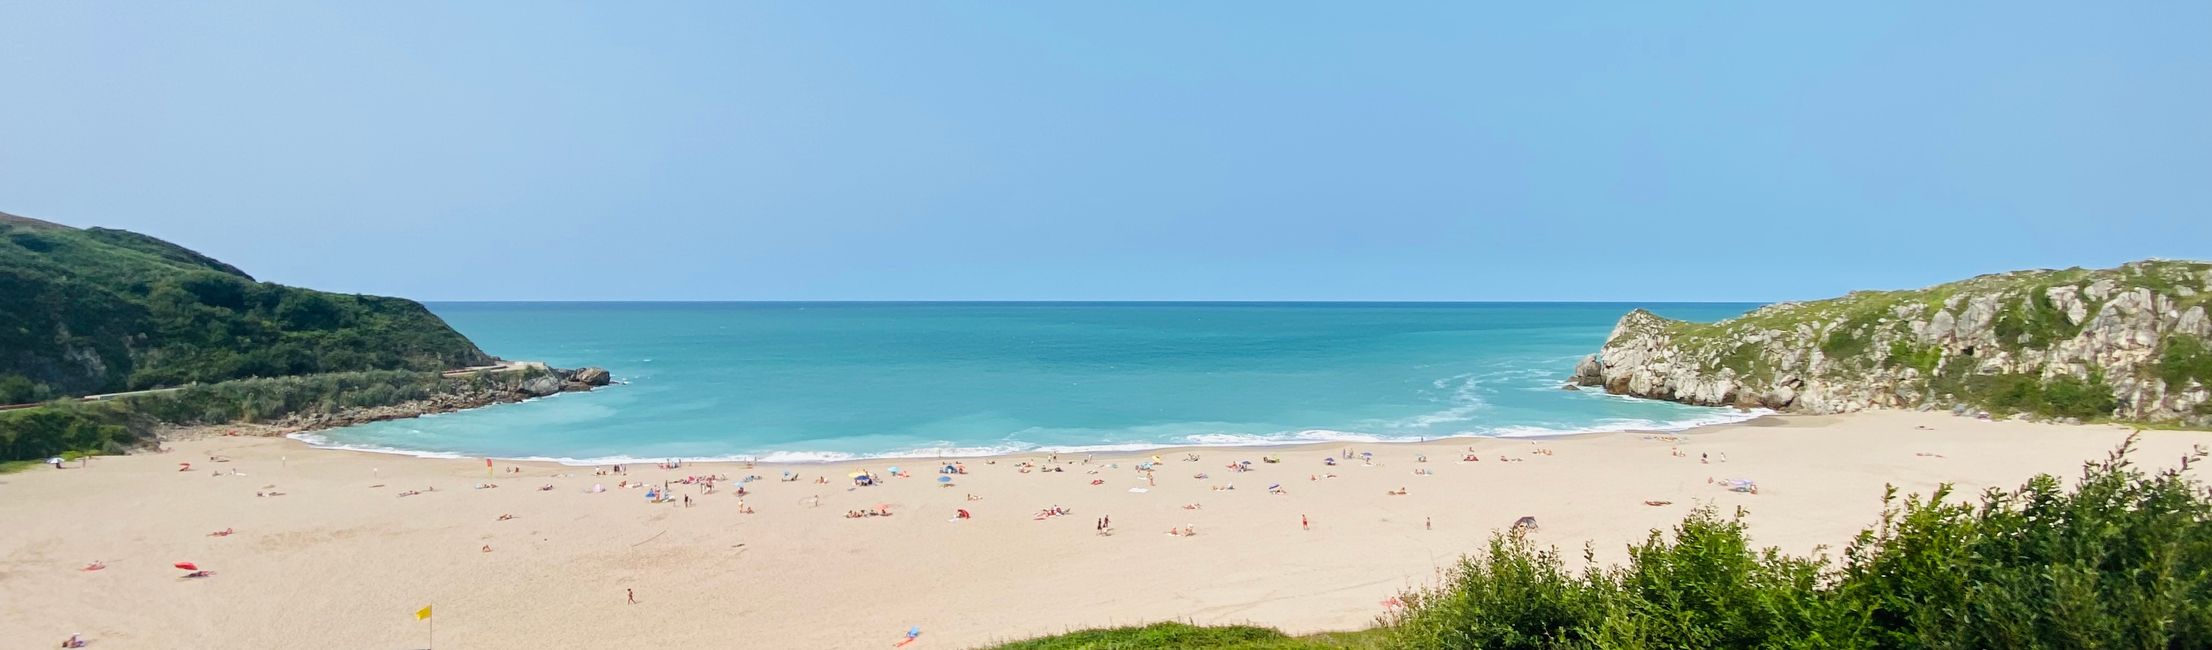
1117, 151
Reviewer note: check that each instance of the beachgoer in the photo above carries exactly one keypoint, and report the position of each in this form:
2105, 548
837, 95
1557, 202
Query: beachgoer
632, 594
1305, 523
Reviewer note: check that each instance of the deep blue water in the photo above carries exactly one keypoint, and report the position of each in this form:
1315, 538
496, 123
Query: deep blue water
790, 381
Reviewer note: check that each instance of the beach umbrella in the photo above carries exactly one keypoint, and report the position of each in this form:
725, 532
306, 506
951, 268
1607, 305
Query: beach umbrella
945, 480
894, 469
188, 566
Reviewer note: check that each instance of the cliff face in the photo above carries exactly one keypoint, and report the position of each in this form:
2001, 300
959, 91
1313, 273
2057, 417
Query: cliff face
2127, 343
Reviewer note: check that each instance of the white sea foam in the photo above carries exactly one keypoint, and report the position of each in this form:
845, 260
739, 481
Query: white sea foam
947, 450
313, 440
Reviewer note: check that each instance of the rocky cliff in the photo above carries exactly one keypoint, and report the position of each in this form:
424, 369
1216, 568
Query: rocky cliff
2126, 343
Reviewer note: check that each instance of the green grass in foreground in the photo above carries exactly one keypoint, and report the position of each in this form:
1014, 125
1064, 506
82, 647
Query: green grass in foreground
1179, 635
13, 466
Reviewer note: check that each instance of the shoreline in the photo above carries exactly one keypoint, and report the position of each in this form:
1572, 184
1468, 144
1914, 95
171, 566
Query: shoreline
1140, 448
358, 541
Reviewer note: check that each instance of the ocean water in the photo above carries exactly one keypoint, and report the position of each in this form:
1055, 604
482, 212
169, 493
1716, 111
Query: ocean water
831, 381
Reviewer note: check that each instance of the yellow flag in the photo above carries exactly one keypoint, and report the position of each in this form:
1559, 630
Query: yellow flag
423, 613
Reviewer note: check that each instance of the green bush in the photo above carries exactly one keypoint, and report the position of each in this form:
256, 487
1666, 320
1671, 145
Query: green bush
2183, 360
2061, 396
1707, 587
2121, 560
2037, 320
38, 433
15, 389
1924, 358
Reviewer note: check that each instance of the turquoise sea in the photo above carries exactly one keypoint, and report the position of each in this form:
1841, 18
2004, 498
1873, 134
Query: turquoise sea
829, 381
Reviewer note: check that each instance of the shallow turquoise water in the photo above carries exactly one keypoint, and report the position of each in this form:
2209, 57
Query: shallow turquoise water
824, 381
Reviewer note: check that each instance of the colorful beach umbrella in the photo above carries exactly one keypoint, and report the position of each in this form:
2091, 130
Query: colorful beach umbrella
945, 480
188, 566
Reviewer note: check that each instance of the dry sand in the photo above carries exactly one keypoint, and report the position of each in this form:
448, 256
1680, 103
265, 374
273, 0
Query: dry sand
341, 561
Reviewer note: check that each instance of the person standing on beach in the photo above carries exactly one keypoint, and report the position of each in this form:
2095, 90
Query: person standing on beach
632, 593
1304, 523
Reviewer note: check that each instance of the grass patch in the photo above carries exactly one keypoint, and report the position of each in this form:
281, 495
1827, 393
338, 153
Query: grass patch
1180, 635
1924, 358
2064, 396
13, 466
2184, 359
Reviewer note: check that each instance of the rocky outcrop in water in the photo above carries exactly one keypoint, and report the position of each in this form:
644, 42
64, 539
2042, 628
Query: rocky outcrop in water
2126, 343
591, 377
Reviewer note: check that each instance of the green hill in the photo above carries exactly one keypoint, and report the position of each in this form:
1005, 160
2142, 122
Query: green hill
96, 310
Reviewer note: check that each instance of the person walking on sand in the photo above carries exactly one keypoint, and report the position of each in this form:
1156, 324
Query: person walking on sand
632, 593
1305, 523
1428, 524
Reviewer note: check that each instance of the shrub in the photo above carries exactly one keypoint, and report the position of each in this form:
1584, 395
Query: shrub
2122, 560
2062, 396
2183, 360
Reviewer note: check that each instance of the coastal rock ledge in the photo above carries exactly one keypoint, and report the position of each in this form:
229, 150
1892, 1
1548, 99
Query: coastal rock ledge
458, 391
2128, 343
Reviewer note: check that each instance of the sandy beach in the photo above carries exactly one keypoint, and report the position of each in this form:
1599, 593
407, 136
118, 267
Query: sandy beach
341, 560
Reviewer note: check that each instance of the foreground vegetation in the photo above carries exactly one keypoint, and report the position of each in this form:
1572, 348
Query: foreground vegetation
95, 310
2121, 560
112, 426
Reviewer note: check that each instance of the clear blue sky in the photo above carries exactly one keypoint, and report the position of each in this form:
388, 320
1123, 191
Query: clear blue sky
1240, 150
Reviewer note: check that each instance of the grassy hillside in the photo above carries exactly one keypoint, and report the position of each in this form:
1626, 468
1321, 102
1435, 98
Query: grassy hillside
96, 310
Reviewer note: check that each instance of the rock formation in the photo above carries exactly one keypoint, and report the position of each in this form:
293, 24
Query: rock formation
2126, 343
592, 377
